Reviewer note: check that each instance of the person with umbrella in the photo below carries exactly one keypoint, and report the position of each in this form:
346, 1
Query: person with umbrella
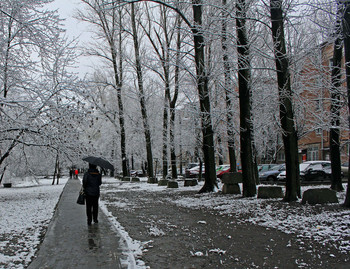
91, 183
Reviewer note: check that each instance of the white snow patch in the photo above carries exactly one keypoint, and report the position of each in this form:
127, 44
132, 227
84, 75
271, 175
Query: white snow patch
25, 211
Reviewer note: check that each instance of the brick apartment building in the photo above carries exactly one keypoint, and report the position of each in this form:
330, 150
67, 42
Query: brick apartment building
315, 118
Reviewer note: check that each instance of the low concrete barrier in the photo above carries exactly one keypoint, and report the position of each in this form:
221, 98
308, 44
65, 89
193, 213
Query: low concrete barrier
173, 184
190, 182
319, 196
267, 192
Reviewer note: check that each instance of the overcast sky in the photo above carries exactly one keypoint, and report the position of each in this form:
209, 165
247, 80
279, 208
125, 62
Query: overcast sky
74, 27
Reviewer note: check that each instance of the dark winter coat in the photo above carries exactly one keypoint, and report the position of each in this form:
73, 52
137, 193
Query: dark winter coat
91, 182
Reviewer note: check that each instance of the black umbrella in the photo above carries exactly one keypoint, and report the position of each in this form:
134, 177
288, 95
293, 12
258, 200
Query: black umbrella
99, 162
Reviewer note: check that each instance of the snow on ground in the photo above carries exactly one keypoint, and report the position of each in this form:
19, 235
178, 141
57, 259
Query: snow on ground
25, 211
326, 224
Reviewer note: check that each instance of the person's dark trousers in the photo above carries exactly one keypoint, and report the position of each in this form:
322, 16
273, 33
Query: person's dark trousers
91, 208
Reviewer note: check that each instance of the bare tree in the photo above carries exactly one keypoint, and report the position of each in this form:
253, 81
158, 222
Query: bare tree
290, 139
346, 32
138, 66
35, 84
244, 84
109, 22
228, 90
334, 132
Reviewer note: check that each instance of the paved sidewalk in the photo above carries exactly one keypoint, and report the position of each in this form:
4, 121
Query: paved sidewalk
71, 243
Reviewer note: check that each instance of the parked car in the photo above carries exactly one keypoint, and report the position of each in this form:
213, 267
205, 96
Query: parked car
271, 175
188, 167
222, 169
266, 166
136, 173
312, 171
194, 172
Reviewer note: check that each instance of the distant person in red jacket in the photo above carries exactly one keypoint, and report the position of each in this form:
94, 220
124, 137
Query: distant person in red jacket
76, 172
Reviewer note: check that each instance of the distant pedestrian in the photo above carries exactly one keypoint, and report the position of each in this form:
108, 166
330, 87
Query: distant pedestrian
76, 172
70, 173
91, 183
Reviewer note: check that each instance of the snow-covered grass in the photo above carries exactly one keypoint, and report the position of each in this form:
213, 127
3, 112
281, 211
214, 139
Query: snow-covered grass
25, 211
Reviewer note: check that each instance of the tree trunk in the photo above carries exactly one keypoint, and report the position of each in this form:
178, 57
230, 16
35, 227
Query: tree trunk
346, 31
249, 185
165, 137
289, 134
228, 94
172, 143
56, 170
173, 102
120, 112
334, 132
3, 173
147, 131
203, 93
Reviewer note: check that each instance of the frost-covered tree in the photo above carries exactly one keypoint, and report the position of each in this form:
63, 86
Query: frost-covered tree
38, 95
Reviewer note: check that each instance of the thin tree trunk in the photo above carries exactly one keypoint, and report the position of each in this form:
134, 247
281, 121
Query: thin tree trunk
147, 131
165, 138
334, 132
346, 31
172, 144
56, 168
249, 181
203, 93
2, 175
120, 103
173, 102
289, 134
228, 94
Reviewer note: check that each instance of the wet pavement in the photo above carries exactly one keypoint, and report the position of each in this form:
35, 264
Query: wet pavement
70, 243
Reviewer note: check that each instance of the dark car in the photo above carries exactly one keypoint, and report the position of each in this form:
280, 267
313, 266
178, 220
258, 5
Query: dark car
315, 171
271, 175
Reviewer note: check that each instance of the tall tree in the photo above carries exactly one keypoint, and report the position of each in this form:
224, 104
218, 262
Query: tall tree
228, 90
203, 93
138, 66
173, 100
202, 87
289, 134
346, 32
334, 132
34, 82
163, 51
109, 22
244, 87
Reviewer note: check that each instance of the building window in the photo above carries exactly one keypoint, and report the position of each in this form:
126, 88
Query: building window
312, 153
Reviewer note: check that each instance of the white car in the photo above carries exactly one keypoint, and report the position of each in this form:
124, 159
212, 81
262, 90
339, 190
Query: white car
311, 170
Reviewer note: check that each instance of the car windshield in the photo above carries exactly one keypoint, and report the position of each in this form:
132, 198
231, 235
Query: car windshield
222, 167
303, 166
275, 167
